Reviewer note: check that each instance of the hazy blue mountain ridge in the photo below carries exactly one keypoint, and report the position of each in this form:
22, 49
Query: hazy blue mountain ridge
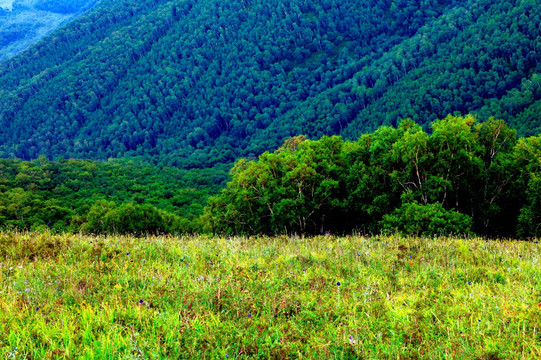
24, 22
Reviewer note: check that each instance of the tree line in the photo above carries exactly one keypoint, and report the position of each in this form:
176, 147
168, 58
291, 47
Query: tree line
463, 177
117, 196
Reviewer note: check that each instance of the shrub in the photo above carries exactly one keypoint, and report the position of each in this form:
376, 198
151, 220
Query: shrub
426, 220
129, 218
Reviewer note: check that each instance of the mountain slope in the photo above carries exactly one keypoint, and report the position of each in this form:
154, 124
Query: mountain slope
194, 83
24, 22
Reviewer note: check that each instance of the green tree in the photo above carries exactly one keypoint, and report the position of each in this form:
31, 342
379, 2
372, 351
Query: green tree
128, 218
297, 189
528, 157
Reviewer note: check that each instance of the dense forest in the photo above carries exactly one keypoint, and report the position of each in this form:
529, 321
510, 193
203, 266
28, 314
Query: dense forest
24, 22
116, 196
462, 178
177, 91
197, 83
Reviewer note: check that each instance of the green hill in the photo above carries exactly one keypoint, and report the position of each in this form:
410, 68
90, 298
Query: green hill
195, 83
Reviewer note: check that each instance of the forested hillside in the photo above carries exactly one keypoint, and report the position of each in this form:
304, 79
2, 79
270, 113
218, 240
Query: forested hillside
194, 83
24, 22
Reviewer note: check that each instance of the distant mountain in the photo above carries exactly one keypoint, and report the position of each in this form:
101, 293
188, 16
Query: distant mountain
24, 22
197, 82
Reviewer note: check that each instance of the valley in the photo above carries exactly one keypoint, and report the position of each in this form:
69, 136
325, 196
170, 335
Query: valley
25, 22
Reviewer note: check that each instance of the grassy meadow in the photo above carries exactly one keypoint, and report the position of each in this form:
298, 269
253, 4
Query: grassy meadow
79, 297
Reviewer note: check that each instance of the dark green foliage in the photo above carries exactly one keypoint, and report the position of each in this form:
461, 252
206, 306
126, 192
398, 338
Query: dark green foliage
196, 83
529, 159
462, 177
112, 197
426, 220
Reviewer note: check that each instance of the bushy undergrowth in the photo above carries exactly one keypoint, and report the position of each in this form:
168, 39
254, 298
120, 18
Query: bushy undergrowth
426, 220
71, 297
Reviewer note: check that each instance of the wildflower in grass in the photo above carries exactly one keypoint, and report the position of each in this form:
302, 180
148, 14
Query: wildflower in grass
469, 282
338, 283
141, 301
249, 315
37, 308
351, 340
127, 254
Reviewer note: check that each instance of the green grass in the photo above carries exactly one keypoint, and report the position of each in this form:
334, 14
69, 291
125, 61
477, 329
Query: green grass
259, 297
